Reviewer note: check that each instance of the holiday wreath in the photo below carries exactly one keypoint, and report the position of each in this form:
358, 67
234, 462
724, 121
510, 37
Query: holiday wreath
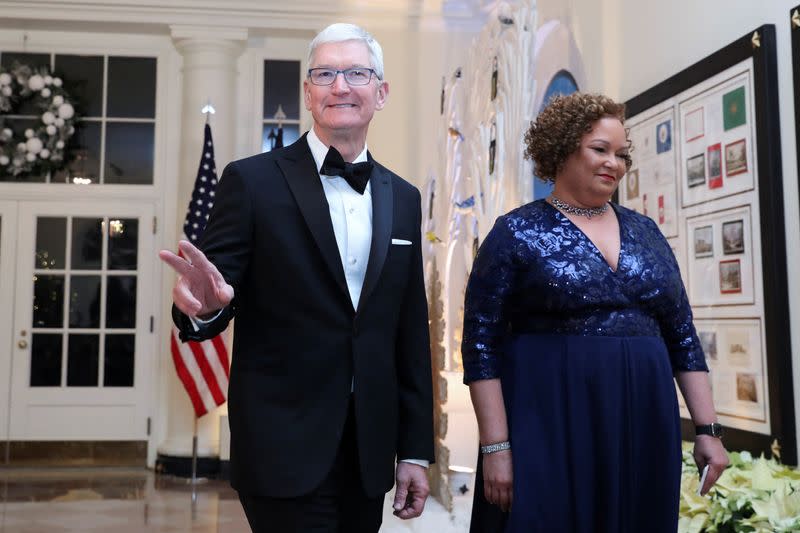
38, 150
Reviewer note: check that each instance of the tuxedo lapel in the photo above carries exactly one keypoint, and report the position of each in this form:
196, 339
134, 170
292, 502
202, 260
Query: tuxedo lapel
382, 206
301, 174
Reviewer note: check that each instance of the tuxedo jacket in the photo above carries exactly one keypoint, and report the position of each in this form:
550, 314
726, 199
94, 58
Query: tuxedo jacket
299, 345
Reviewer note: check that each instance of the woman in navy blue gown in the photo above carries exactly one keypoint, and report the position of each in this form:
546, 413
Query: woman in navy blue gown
576, 322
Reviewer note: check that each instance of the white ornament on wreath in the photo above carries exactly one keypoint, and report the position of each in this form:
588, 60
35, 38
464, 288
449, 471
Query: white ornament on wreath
39, 150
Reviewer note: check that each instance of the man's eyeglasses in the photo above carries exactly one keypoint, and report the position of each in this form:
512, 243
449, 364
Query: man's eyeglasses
353, 76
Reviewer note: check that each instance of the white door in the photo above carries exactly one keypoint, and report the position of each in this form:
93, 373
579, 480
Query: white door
8, 242
82, 325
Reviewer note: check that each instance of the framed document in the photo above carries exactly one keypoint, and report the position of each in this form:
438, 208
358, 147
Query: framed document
712, 182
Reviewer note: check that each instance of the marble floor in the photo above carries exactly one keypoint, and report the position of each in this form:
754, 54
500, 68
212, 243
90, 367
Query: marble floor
127, 500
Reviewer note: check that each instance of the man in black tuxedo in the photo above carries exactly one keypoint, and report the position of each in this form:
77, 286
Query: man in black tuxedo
315, 249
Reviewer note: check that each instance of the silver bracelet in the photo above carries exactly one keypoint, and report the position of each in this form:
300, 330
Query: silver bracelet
496, 447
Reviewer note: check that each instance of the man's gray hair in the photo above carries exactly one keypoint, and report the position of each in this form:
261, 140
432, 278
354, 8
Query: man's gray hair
340, 32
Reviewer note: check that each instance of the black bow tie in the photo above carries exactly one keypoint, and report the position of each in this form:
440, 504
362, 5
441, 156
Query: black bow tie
356, 174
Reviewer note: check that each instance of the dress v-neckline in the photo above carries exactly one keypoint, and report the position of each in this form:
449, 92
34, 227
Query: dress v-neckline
591, 242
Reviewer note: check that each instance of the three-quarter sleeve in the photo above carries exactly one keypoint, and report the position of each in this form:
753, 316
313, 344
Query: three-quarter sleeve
675, 315
489, 288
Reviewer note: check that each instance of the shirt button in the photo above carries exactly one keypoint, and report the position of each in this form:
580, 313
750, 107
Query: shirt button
351, 210
353, 260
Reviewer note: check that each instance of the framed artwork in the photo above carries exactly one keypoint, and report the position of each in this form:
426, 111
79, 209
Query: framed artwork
734, 354
735, 158
696, 170
715, 166
704, 241
730, 276
651, 187
694, 124
733, 237
721, 184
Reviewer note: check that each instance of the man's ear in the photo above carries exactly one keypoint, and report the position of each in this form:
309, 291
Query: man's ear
383, 94
307, 95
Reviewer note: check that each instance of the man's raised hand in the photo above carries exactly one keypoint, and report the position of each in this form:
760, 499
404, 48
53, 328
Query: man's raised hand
200, 289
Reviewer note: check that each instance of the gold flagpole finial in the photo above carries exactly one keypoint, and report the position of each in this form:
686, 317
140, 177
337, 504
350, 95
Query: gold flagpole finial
796, 19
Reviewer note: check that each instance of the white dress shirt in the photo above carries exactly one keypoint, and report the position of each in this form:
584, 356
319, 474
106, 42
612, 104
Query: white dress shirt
351, 216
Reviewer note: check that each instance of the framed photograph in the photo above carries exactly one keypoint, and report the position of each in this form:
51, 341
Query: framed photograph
746, 387
632, 183
733, 237
734, 109
735, 158
730, 276
715, 166
696, 170
704, 241
664, 137
708, 340
726, 124
694, 124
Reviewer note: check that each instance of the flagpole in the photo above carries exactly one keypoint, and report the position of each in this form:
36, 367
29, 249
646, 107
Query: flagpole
194, 452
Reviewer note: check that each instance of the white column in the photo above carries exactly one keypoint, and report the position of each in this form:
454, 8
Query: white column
209, 74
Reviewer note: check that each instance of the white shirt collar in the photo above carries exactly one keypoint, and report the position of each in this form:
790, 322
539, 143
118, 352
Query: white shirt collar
319, 150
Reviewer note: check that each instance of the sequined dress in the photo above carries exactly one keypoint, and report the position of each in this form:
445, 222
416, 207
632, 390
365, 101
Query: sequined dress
586, 357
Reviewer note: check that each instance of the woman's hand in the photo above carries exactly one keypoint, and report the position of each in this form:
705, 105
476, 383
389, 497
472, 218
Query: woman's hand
709, 450
498, 478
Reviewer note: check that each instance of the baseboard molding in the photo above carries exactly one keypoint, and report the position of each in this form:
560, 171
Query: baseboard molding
171, 465
74, 453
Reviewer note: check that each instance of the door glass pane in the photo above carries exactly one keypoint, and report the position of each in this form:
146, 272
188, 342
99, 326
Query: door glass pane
46, 360
121, 302
48, 301
118, 371
51, 239
84, 302
82, 358
131, 87
87, 243
123, 240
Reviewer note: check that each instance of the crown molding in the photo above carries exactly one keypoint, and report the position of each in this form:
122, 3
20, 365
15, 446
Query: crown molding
250, 14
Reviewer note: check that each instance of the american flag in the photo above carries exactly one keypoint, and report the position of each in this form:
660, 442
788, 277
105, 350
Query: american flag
202, 366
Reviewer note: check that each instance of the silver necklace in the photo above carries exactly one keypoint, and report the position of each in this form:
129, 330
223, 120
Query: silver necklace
570, 209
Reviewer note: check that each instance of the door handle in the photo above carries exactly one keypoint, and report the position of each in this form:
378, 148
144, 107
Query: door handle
22, 344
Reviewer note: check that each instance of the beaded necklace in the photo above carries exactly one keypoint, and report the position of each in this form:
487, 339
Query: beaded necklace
570, 209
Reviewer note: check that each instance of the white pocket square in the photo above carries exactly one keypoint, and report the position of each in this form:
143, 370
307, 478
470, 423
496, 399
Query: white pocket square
402, 242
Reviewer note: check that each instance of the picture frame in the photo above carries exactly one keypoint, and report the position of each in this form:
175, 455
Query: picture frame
696, 170
735, 158
727, 114
714, 158
704, 241
730, 276
733, 237
694, 124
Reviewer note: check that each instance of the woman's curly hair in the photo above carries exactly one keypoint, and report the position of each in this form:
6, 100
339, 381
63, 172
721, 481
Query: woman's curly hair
556, 133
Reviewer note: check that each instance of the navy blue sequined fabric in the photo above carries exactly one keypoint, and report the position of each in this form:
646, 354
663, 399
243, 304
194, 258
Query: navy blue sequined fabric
536, 272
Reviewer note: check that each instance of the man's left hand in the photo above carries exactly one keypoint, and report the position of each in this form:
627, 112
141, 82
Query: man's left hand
411, 490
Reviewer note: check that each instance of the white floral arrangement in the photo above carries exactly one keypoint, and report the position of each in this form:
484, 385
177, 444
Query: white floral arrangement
41, 150
752, 495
